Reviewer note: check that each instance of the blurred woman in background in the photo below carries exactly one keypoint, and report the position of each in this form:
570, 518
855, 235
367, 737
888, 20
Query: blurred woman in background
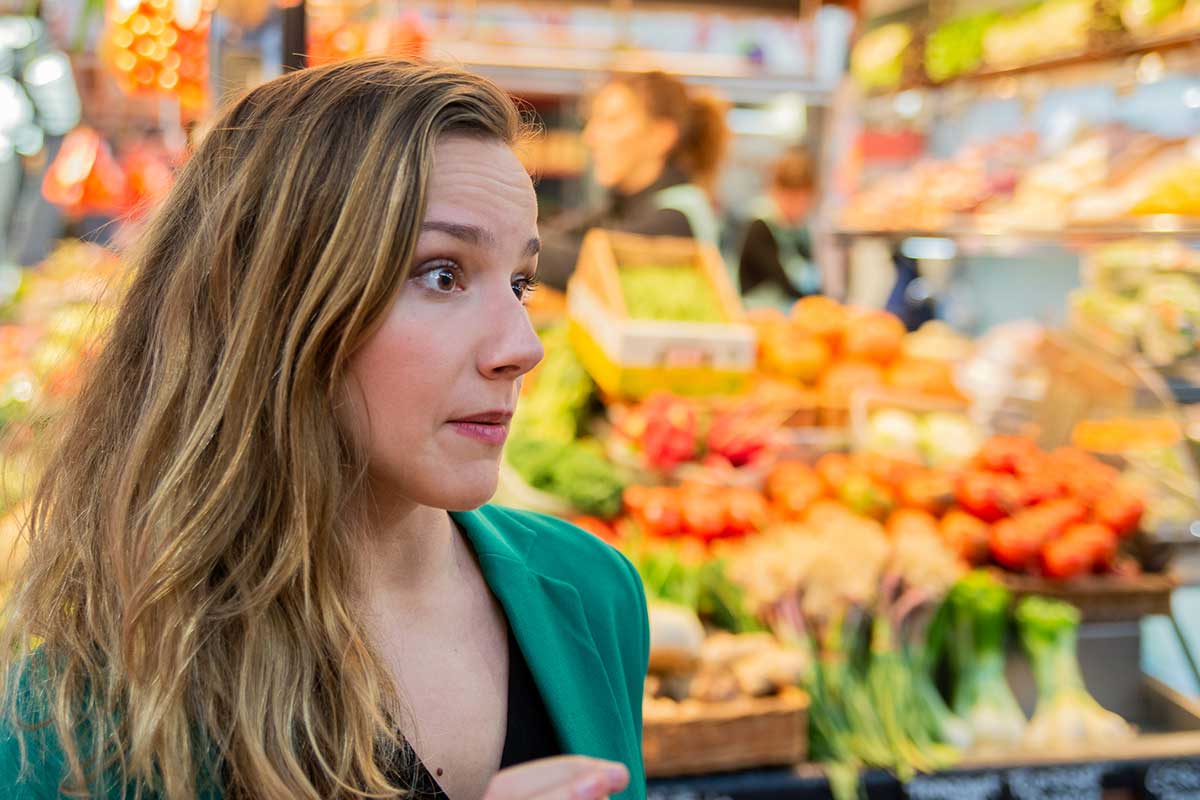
656, 147
777, 266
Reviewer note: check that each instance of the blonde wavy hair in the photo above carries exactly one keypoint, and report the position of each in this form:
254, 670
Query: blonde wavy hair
192, 544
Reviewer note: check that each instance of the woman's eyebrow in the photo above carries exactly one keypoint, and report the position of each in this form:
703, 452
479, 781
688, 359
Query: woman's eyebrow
471, 234
475, 235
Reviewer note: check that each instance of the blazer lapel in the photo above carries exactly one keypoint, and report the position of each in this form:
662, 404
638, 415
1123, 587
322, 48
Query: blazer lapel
549, 623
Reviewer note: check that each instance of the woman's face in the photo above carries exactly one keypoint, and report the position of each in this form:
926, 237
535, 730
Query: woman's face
432, 391
626, 145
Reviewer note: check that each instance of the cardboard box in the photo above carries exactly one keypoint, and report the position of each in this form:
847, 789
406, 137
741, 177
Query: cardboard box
633, 357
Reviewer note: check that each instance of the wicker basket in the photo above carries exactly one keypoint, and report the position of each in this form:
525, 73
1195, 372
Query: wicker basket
721, 737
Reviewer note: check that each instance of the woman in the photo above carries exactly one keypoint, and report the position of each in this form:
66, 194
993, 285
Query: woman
776, 266
656, 148
259, 566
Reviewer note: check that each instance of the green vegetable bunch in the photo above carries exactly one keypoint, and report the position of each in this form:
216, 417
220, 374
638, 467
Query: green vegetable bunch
699, 583
979, 613
1066, 714
956, 47
681, 294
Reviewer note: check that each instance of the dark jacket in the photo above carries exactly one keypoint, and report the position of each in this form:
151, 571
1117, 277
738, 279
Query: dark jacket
634, 213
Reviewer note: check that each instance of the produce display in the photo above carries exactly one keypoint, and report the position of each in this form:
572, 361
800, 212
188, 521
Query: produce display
829, 595
654, 313
976, 617
835, 350
1041, 31
1018, 36
1104, 176
956, 47
932, 438
669, 293
86, 177
160, 47
878, 59
49, 323
1142, 297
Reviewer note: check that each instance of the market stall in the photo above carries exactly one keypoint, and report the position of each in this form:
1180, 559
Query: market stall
885, 554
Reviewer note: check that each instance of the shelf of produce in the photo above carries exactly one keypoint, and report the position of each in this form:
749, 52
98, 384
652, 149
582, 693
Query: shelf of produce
1001, 241
563, 71
1118, 50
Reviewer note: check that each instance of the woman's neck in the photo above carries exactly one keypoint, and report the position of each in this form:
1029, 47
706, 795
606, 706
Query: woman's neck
641, 177
411, 550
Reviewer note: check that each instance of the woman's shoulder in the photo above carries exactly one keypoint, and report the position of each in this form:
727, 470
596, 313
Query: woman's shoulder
560, 550
32, 763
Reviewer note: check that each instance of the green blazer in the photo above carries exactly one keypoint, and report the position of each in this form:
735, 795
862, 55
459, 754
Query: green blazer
578, 611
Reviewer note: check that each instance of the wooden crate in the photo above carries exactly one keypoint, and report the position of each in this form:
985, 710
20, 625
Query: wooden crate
630, 358
721, 737
1102, 598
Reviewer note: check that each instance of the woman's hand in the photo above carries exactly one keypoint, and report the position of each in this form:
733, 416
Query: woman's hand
559, 778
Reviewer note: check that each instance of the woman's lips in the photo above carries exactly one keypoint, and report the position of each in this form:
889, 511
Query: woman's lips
487, 432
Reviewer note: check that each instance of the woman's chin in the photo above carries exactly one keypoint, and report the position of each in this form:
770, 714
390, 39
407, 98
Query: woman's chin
466, 490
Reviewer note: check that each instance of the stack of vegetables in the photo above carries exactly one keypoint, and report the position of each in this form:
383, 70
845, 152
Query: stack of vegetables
838, 587
160, 47
834, 350
1058, 515
1061, 514
1020, 35
668, 437
668, 293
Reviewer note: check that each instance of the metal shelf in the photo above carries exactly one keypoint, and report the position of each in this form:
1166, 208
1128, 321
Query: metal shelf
561, 71
971, 240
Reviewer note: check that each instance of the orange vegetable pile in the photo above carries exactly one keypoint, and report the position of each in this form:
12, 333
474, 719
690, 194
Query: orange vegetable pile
160, 47
837, 349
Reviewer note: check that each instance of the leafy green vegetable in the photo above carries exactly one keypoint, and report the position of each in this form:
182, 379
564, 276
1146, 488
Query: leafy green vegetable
669, 293
576, 471
981, 695
1066, 714
956, 47
702, 585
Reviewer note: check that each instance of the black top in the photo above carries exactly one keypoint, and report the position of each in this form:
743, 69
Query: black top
761, 262
630, 213
529, 734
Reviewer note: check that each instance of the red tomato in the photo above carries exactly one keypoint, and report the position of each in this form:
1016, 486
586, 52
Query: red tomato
929, 490
745, 512
1098, 541
1120, 510
1006, 454
834, 468
703, 515
635, 498
661, 514
1013, 546
1066, 558
989, 496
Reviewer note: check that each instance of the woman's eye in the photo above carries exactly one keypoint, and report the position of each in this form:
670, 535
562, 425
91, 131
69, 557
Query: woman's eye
444, 278
524, 286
